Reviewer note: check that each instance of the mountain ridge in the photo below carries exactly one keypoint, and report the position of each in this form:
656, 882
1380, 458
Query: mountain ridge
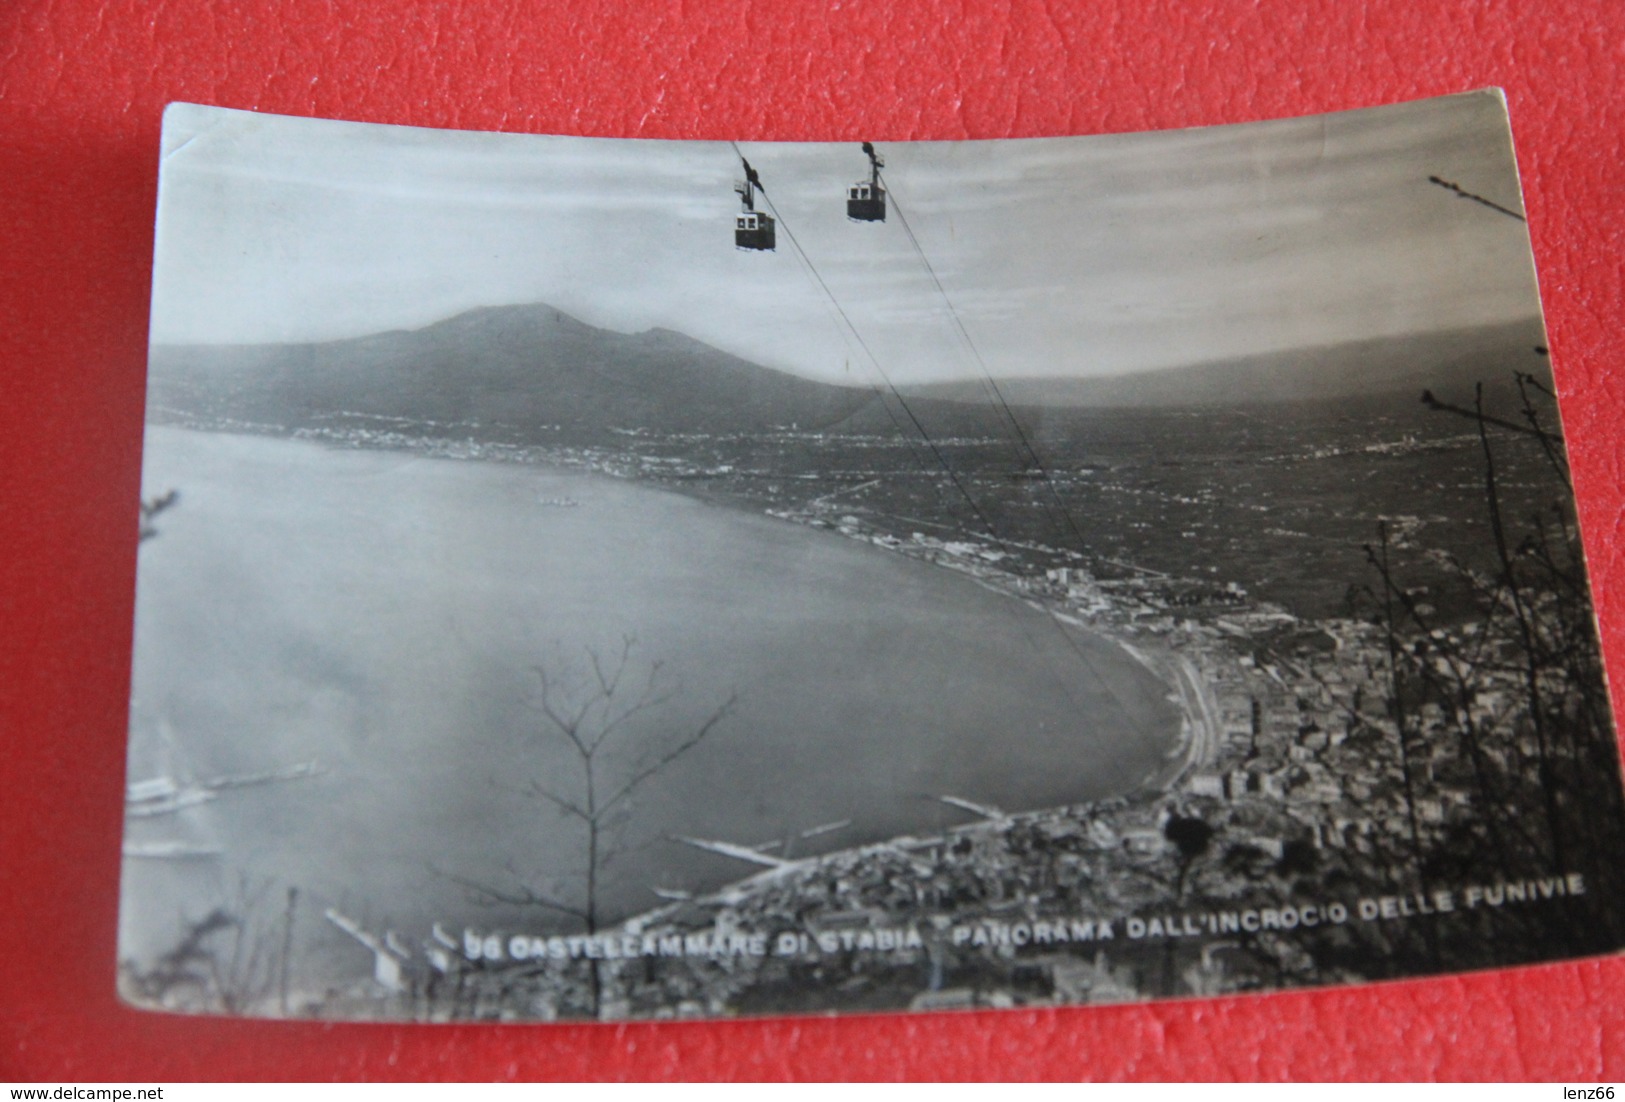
1444, 361
525, 372
521, 366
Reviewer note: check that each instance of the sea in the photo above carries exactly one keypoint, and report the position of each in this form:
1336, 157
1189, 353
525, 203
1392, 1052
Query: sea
467, 657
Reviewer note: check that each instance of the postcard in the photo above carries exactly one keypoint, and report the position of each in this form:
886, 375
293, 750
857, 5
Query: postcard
608, 579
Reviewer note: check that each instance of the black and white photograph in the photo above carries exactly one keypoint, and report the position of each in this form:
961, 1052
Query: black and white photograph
601, 579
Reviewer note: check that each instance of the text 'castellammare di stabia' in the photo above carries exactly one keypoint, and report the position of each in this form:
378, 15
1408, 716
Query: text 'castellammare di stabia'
621, 945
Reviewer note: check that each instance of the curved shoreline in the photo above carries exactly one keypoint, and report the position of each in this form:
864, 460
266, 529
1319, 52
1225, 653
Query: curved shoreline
1105, 758
1197, 745
1199, 730
1196, 739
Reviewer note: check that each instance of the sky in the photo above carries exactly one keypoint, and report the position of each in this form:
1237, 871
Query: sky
1084, 256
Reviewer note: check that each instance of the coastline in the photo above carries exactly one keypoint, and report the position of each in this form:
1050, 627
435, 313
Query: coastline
1196, 741
1197, 745
1284, 758
1132, 756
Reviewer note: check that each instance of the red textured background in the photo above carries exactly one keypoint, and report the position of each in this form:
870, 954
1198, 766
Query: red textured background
82, 85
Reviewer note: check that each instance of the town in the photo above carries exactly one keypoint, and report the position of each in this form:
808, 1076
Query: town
1308, 780
1318, 766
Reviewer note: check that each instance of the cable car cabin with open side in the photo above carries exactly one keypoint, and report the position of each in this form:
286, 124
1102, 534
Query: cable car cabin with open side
866, 199
866, 202
752, 228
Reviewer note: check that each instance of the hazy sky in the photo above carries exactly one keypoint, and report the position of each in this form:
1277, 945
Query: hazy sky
1064, 256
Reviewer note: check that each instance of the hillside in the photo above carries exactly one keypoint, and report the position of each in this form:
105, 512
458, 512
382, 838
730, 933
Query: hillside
533, 374
518, 367
1448, 363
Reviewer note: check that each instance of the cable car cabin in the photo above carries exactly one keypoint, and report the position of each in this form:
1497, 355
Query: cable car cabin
754, 230
866, 199
866, 202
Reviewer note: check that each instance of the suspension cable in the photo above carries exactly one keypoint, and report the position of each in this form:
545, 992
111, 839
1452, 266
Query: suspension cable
990, 529
989, 382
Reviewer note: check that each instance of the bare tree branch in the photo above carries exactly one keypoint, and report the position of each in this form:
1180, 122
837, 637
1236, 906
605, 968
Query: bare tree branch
567, 806
597, 706
523, 896
671, 755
